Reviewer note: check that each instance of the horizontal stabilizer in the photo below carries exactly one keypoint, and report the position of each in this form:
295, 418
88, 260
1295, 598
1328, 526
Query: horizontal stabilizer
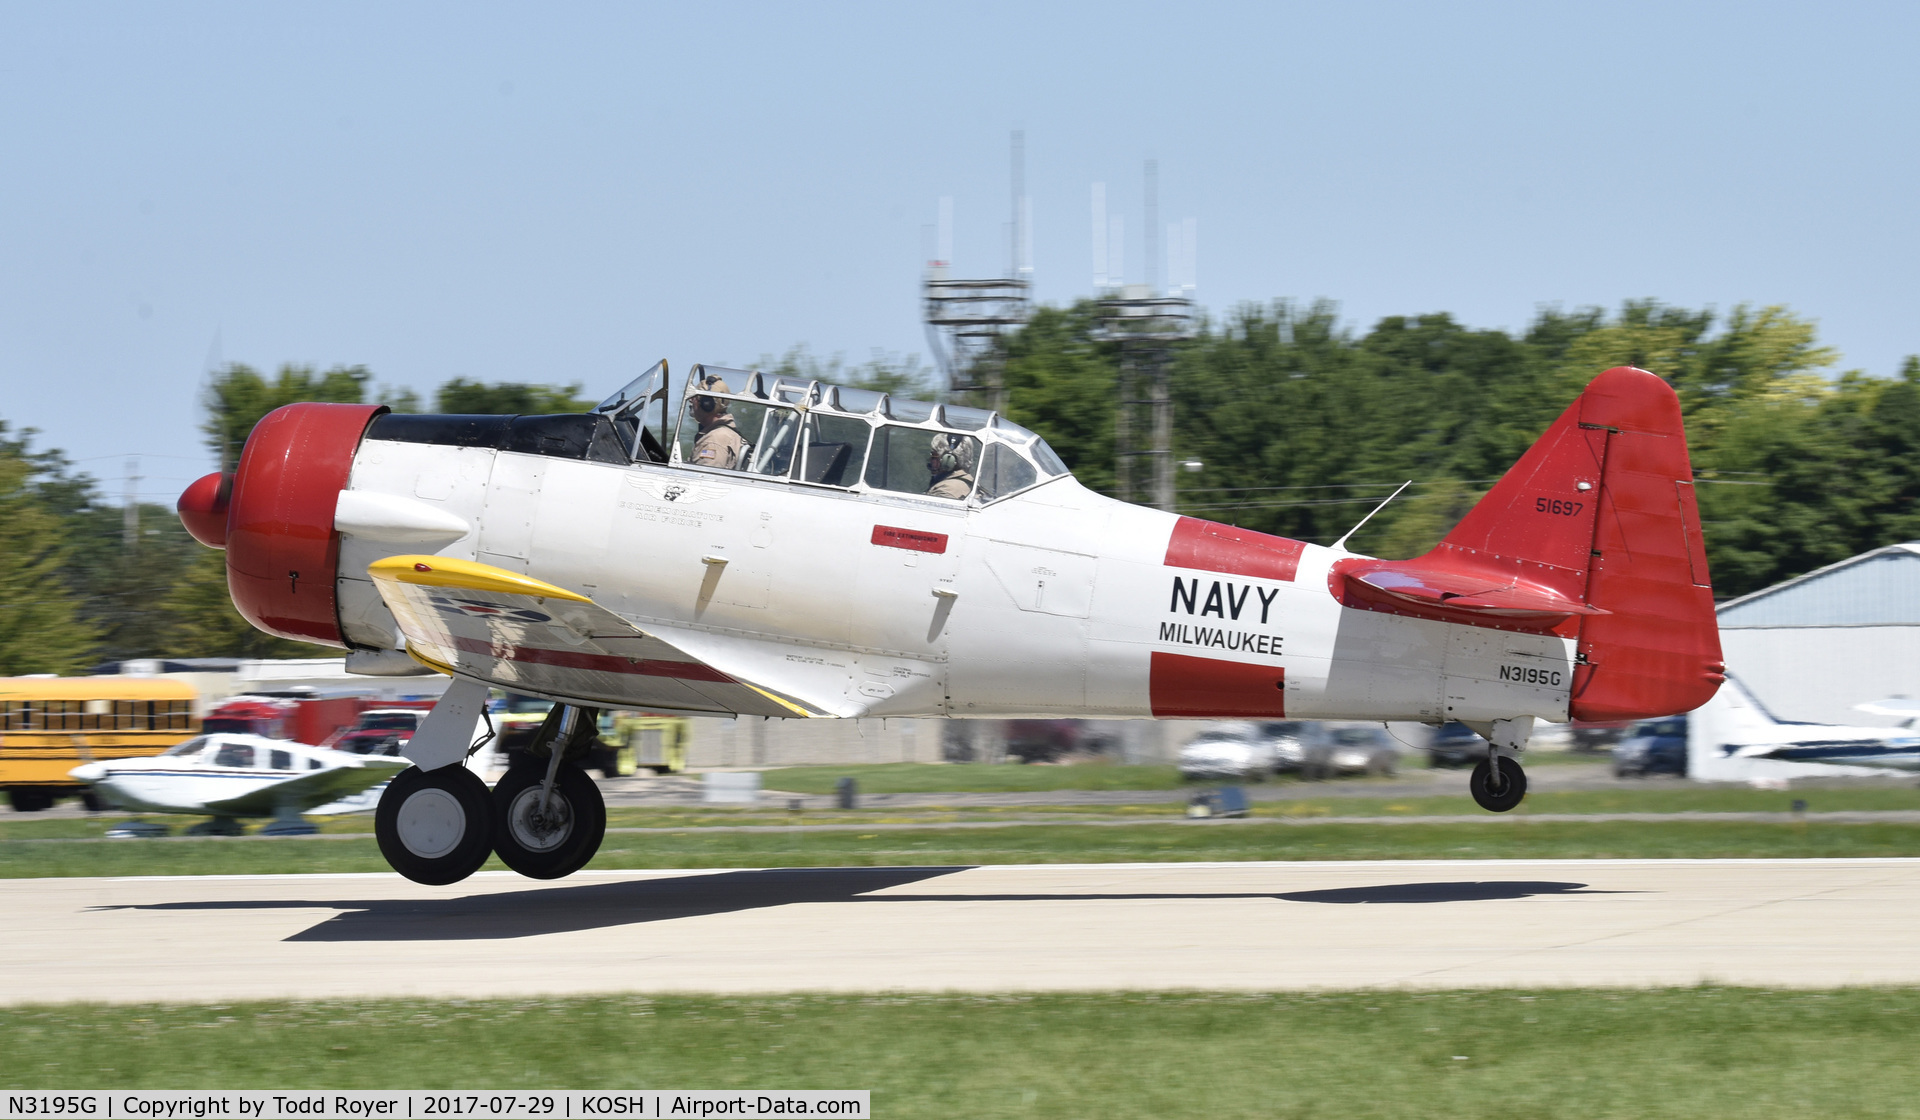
1467, 591
518, 633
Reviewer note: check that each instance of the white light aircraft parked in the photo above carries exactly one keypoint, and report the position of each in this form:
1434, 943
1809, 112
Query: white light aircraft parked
1738, 725
229, 776
803, 550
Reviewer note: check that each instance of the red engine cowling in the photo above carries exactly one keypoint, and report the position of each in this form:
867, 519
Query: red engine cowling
282, 553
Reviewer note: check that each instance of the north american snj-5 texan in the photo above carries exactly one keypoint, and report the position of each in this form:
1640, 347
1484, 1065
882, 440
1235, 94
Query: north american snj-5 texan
778, 547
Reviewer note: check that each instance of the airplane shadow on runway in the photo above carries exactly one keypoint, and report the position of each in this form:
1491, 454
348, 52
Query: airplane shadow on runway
566, 909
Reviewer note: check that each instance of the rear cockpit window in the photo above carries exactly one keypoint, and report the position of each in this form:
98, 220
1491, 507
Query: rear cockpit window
921, 461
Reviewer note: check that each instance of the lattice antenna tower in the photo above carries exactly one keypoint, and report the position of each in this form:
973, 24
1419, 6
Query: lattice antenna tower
967, 320
1147, 325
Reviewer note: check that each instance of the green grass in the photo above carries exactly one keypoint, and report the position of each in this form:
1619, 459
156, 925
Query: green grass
1653, 798
1021, 843
1693, 1053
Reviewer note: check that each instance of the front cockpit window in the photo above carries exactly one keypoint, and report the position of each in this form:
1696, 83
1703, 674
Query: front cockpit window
855, 439
639, 414
188, 749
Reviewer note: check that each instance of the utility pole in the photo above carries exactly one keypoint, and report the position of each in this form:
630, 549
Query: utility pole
130, 507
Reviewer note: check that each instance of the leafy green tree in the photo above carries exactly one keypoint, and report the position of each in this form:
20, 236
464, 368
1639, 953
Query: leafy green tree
239, 396
1063, 385
204, 622
510, 398
42, 626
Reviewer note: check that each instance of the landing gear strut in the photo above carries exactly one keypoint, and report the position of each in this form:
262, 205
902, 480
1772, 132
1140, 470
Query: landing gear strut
435, 826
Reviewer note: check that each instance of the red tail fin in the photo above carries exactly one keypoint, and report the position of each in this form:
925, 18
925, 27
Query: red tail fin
1593, 532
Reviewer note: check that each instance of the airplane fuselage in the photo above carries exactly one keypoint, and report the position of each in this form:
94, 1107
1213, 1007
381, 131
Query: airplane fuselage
1055, 601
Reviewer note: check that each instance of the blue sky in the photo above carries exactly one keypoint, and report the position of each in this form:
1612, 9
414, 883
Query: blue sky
560, 193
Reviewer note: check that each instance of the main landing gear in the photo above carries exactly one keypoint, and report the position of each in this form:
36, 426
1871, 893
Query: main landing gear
1498, 783
545, 818
435, 826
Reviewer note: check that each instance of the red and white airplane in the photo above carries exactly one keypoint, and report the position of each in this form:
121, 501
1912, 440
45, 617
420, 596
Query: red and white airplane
864, 556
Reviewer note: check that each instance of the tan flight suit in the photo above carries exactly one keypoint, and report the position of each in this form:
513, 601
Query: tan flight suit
719, 446
956, 483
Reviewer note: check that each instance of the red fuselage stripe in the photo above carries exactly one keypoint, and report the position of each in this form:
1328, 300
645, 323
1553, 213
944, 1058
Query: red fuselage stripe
1213, 547
595, 662
1180, 685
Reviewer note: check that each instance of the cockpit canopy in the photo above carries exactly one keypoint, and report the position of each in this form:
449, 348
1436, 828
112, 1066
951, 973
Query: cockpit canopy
810, 432
796, 430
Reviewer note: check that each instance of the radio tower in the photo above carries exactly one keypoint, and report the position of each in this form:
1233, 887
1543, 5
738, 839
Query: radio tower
967, 320
1146, 325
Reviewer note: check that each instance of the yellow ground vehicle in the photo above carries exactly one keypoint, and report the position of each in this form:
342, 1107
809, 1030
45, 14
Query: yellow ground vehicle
49, 725
647, 742
624, 741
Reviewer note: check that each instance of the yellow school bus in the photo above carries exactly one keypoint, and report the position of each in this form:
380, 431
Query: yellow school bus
49, 725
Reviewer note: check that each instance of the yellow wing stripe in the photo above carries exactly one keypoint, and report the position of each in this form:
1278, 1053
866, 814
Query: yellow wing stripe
781, 700
465, 575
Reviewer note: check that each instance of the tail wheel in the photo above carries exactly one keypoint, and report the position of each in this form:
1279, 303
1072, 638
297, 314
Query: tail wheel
1498, 794
553, 841
435, 826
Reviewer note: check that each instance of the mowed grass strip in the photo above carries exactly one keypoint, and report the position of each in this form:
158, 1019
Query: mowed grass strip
1039, 843
1693, 1052
1334, 802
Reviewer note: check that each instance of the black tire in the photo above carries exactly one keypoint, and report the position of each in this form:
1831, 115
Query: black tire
554, 849
1512, 789
94, 802
435, 826
26, 800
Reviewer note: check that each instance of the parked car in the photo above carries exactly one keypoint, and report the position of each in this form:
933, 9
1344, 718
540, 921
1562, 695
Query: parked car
1350, 748
1288, 738
372, 740
1228, 751
1652, 746
1455, 744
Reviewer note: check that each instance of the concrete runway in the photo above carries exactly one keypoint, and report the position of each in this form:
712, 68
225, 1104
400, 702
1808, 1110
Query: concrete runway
1414, 924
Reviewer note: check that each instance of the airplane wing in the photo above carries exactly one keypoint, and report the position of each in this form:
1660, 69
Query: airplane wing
311, 787
515, 632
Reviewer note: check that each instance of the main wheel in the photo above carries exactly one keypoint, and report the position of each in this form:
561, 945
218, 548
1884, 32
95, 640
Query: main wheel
435, 826
1511, 788
558, 842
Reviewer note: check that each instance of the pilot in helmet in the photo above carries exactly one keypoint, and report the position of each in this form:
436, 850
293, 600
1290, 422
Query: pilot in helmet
719, 443
950, 462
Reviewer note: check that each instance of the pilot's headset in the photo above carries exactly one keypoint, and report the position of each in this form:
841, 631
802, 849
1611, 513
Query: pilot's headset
950, 453
710, 407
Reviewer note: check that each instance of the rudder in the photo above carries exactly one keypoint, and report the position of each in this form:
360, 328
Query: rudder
1656, 651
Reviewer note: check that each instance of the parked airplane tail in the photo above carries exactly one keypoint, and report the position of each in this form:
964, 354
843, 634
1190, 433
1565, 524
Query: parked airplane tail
1593, 534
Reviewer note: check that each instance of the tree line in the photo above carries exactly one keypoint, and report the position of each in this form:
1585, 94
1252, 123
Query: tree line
1300, 425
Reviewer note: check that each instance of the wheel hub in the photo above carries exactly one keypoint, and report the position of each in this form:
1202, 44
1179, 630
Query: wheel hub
431, 823
536, 831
